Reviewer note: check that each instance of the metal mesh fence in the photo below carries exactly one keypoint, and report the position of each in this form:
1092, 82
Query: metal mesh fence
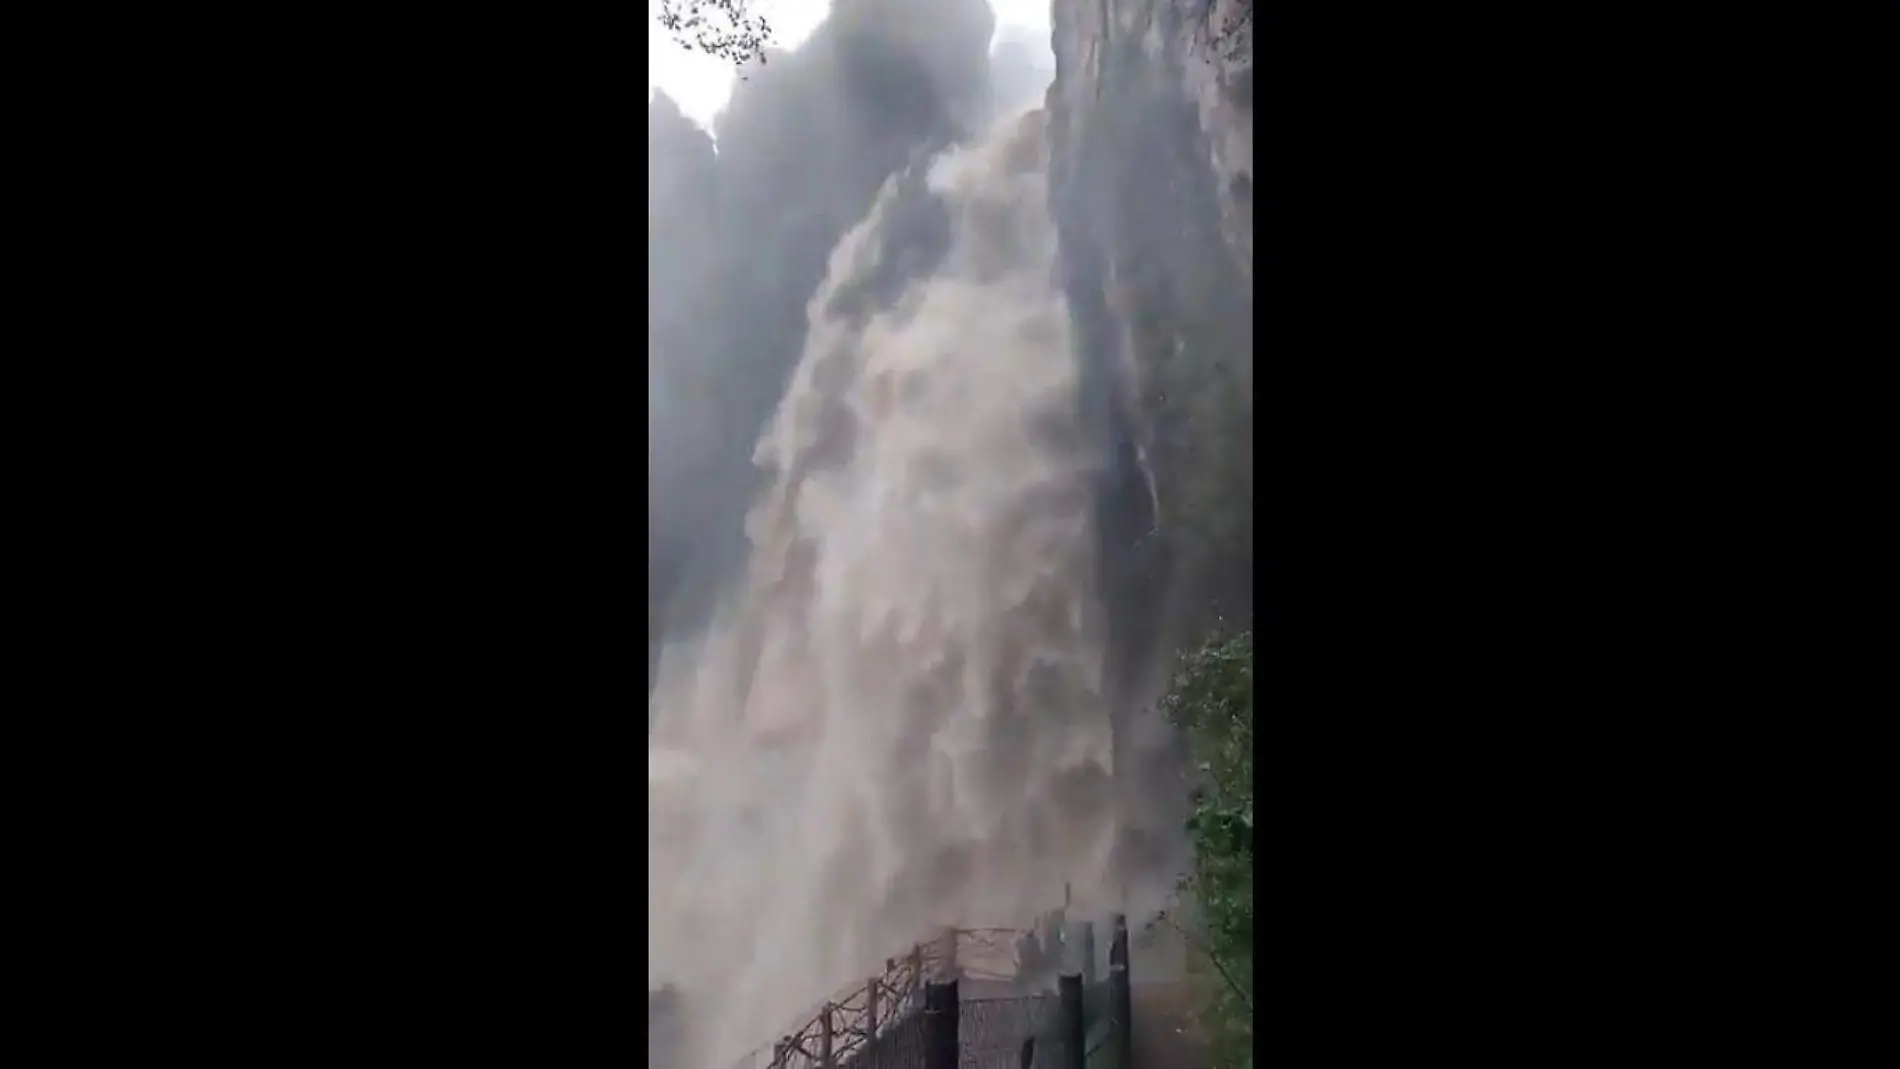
901, 1046
1099, 1027
1051, 1051
991, 1033
1103, 1052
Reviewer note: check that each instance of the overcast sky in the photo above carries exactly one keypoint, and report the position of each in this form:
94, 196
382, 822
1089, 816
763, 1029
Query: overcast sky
701, 83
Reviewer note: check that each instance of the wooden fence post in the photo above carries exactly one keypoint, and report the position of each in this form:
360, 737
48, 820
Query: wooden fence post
824, 1038
1120, 999
870, 1009
941, 1012
1075, 1051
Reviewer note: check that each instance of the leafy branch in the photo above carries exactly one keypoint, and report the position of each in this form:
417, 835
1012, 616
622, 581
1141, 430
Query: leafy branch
724, 28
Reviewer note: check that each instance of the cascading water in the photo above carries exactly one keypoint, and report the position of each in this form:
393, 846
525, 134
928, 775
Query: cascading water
897, 724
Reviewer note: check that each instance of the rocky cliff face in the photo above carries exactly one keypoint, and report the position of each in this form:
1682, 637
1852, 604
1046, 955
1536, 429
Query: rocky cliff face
683, 398
1151, 120
1151, 127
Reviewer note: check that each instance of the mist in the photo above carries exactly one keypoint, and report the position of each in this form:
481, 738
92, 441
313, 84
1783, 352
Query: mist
741, 220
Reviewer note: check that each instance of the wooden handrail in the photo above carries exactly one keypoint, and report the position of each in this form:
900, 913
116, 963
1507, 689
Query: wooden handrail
850, 1020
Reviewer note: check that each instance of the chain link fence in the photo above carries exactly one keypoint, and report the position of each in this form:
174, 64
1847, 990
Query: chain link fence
991, 1033
902, 1046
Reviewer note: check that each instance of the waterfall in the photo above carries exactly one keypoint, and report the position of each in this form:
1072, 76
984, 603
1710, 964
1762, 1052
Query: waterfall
897, 721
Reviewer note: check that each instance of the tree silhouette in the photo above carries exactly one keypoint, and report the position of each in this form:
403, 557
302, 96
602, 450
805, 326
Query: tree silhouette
724, 28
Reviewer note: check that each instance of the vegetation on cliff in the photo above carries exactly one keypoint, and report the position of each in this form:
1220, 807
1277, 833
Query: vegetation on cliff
1212, 701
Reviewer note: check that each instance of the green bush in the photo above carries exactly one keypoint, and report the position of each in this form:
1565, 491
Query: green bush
1211, 700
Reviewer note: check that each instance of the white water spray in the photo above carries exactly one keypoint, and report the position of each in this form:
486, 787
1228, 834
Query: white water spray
898, 724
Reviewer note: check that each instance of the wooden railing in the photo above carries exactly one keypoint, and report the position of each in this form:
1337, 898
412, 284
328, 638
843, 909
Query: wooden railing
846, 1024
